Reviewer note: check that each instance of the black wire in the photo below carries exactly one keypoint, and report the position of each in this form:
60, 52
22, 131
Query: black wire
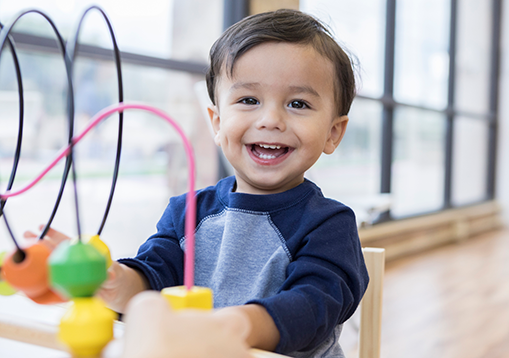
70, 99
17, 152
71, 108
69, 56
11, 233
75, 192
72, 47
19, 79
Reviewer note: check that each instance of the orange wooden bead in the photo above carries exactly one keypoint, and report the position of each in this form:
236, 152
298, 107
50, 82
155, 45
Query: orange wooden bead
48, 298
29, 273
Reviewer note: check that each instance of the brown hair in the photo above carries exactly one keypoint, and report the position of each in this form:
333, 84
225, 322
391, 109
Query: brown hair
282, 26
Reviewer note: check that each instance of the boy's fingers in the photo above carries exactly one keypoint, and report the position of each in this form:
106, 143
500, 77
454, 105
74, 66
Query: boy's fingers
110, 281
57, 236
29, 235
111, 274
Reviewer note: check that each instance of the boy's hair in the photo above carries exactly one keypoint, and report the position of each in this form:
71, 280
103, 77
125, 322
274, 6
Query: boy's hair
283, 25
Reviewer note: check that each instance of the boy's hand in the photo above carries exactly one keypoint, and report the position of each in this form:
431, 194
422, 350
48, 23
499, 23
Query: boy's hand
53, 237
122, 284
153, 330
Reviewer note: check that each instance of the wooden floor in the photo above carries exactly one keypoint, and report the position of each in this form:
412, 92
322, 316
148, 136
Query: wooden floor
451, 302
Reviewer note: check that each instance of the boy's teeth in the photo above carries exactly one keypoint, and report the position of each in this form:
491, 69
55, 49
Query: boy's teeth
267, 156
268, 151
270, 146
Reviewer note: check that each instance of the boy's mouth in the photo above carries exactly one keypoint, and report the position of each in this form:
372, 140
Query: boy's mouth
269, 151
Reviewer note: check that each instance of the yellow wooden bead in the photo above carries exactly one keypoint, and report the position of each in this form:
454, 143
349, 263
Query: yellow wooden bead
87, 327
179, 297
96, 242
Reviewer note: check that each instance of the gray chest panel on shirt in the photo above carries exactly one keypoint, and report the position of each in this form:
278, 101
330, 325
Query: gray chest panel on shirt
240, 255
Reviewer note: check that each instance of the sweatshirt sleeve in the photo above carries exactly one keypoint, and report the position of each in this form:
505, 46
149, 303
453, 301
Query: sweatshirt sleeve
160, 259
325, 283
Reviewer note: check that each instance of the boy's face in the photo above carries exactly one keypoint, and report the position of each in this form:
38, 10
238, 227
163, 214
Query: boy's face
276, 116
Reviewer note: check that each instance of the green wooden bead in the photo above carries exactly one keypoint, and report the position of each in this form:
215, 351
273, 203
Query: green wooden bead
77, 270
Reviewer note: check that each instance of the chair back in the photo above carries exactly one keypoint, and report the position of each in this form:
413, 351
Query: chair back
370, 327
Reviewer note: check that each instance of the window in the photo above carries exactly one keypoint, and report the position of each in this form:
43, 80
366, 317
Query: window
164, 47
420, 129
431, 74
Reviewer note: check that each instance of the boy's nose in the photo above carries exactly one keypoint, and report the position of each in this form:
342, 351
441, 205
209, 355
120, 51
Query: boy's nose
272, 118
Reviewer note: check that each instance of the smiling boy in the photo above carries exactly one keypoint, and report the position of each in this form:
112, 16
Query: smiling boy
267, 241
276, 115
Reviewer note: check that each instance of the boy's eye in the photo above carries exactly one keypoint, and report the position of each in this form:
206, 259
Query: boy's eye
298, 104
249, 101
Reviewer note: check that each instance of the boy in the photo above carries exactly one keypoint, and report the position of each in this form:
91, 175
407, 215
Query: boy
268, 243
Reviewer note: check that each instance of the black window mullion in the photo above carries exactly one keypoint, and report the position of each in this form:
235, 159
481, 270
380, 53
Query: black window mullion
42, 44
493, 99
449, 130
234, 11
388, 102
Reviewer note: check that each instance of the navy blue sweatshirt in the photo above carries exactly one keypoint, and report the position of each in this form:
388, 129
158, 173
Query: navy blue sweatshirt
296, 253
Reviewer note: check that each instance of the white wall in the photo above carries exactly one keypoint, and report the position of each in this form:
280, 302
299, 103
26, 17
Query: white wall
503, 134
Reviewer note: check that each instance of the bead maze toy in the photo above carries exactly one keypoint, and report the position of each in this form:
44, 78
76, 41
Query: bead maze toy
75, 271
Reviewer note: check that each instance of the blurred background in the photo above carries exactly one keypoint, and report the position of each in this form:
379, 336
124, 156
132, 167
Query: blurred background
425, 139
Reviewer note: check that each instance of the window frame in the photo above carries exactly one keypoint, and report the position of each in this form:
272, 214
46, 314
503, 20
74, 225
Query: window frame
235, 10
450, 112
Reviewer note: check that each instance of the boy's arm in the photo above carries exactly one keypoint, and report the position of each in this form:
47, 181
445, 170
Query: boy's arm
324, 283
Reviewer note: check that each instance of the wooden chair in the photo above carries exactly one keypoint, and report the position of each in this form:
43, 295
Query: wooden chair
370, 327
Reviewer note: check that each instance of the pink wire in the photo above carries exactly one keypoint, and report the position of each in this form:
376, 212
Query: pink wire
190, 198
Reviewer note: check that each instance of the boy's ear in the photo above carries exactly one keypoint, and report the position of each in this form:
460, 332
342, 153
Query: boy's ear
337, 131
215, 122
